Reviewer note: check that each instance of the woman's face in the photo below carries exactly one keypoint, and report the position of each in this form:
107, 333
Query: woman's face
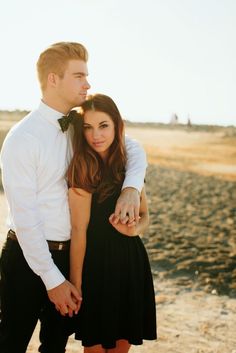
99, 131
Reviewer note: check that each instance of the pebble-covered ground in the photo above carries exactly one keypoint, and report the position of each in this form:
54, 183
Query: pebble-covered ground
192, 236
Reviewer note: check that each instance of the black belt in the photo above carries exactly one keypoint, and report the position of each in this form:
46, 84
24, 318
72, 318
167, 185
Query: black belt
53, 245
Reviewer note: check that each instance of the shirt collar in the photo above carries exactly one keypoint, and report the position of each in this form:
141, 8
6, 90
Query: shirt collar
50, 114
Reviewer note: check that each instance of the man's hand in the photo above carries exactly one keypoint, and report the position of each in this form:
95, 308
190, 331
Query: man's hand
66, 298
127, 207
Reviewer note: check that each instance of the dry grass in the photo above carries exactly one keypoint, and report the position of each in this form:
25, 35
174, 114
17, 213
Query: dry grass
207, 153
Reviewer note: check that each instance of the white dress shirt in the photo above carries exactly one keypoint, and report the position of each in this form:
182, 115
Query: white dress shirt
34, 159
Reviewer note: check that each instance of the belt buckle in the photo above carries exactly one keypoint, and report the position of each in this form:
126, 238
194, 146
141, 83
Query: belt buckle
60, 247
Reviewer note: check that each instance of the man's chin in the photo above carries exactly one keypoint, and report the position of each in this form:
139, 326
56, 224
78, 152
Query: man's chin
82, 98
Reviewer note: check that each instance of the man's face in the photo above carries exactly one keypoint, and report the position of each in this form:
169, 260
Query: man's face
72, 88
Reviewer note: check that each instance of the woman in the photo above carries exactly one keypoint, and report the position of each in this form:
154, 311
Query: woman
109, 264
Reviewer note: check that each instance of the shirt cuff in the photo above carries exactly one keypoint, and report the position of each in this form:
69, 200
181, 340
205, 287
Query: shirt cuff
130, 182
52, 278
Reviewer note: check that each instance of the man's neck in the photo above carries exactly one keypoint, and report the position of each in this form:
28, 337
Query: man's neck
54, 104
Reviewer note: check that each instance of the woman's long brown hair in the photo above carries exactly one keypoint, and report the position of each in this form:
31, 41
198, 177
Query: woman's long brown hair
87, 170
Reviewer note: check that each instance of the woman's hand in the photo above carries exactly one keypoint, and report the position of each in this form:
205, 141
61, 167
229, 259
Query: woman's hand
78, 302
123, 228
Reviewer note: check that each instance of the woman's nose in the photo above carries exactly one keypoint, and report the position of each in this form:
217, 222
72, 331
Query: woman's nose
96, 133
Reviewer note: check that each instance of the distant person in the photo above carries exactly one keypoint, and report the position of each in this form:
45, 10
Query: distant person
34, 160
174, 119
109, 264
189, 123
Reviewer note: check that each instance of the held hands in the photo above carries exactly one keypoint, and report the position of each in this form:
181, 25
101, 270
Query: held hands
123, 228
127, 207
78, 303
66, 298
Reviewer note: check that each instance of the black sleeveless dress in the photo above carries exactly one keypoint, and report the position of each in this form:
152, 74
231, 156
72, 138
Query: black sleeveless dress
117, 286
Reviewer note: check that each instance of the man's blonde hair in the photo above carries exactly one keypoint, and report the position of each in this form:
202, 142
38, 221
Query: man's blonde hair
55, 58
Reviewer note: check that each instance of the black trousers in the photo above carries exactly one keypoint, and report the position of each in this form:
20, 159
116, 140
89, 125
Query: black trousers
24, 300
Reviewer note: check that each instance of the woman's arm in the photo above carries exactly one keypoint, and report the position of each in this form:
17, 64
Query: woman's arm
143, 221
80, 206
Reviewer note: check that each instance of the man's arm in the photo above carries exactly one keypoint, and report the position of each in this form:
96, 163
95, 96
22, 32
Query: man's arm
19, 164
127, 207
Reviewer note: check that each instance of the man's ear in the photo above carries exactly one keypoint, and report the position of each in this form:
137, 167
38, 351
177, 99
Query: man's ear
52, 79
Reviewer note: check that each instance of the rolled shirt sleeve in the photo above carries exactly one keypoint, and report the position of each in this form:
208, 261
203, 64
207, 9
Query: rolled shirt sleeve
136, 164
19, 157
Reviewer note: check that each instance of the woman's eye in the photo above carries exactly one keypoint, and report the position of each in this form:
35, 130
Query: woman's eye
103, 126
87, 127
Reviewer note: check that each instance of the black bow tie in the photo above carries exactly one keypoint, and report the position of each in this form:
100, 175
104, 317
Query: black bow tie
65, 121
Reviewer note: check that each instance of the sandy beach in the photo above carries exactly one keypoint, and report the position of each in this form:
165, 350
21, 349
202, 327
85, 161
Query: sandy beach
191, 241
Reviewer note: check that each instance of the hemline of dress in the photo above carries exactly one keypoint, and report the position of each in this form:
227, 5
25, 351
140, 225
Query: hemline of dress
112, 344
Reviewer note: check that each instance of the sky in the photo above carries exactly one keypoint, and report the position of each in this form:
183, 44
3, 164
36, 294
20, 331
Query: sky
155, 58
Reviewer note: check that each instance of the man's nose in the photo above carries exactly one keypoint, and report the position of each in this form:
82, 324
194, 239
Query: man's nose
86, 84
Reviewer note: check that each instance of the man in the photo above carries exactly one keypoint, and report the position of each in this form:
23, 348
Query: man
34, 160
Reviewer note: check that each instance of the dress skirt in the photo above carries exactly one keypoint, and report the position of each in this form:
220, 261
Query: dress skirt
117, 285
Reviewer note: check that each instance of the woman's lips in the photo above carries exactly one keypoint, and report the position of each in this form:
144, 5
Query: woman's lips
98, 144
